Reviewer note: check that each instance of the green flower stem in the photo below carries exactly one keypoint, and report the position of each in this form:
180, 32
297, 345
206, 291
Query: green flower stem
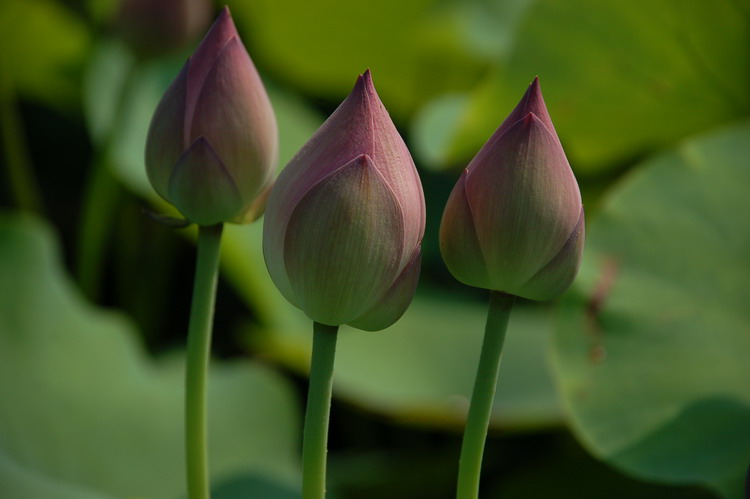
315, 437
198, 352
21, 178
475, 433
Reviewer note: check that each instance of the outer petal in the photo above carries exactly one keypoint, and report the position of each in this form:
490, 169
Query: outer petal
395, 300
459, 243
360, 125
203, 58
164, 144
394, 162
202, 188
233, 112
343, 244
558, 274
531, 102
525, 200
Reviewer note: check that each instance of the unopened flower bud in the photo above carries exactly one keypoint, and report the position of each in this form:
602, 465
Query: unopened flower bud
343, 229
514, 221
155, 27
212, 144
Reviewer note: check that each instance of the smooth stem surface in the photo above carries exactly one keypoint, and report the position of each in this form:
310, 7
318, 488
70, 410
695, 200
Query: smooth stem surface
198, 352
477, 422
21, 178
315, 437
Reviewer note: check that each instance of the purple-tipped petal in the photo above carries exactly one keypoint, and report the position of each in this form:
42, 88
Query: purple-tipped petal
521, 199
360, 125
459, 243
525, 202
202, 188
203, 58
218, 98
343, 244
234, 113
165, 141
558, 274
531, 102
396, 300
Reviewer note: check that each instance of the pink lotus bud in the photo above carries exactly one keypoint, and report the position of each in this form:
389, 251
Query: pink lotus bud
514, 221
212, 144
345, 220
154, 27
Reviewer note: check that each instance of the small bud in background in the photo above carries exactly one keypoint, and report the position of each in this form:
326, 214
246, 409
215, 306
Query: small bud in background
343, 229
514, 221
212, 145
157, 27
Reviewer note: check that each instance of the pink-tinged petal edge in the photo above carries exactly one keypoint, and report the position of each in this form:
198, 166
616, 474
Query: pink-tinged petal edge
395, 300
236, 116
346, 134
343, 244
200, 63
165, 143
459, 243
202, 188
558, 274
516, 189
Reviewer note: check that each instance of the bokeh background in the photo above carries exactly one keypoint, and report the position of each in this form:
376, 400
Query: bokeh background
636, 383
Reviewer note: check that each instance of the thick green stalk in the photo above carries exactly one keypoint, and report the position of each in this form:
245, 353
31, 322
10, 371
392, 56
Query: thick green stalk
315, 436
198, 352
475, 433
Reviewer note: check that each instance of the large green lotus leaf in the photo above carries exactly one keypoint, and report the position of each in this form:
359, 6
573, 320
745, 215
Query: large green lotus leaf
415, 49
86, 414
619, 78
42, 43
653, 351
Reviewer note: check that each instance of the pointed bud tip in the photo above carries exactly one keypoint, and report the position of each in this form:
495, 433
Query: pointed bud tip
363, 160
530, 118
364, 82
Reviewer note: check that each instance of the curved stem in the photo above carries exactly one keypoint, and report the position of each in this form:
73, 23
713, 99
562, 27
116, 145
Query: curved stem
198, 352
315, 436
475, 433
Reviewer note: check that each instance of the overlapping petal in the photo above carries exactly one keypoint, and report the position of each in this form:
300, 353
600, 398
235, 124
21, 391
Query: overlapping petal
218, 97
343, 244
514, 221
359, 128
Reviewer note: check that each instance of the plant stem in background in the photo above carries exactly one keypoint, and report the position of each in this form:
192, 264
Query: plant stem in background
315, 437
100, 200
198, 353
22, 181
475, 433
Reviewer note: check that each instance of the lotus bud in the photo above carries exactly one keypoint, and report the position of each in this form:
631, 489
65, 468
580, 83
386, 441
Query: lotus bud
514, 221
343, 229
212, 144
158, 27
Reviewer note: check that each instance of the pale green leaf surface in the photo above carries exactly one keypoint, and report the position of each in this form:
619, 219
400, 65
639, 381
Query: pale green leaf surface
620, 78
87, 414
653, 352
415, 49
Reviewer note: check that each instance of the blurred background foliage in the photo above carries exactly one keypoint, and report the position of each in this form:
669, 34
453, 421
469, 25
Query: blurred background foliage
634, 384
